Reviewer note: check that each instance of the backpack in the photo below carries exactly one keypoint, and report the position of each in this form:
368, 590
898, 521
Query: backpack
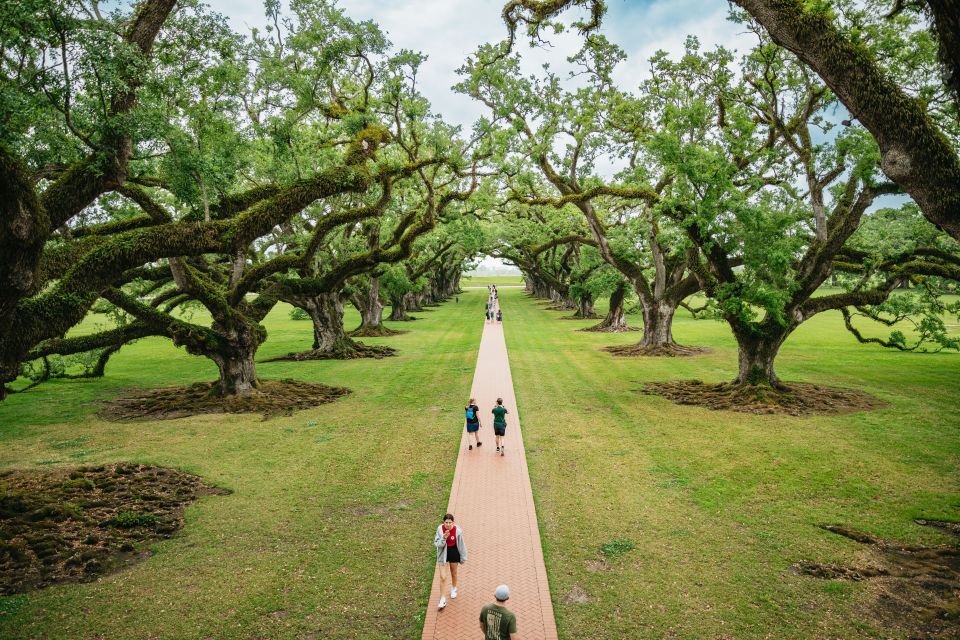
470, 414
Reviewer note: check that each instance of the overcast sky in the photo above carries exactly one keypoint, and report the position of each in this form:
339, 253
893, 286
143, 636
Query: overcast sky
449, 30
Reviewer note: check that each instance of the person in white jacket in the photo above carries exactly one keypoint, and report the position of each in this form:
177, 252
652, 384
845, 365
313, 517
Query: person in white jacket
451, 552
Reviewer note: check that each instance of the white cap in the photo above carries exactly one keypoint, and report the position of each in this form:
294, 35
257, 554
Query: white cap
502, 593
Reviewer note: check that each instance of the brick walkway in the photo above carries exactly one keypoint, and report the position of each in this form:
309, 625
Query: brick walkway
492, 501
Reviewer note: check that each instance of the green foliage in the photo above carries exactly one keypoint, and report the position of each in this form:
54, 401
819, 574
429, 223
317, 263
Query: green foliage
296, 313
130, 519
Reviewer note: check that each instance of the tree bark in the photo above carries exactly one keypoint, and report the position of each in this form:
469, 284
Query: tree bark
756, 354
398, 309
238, 371
370, 307
616, 318
414, 301
326, 311
658, 324
585, 310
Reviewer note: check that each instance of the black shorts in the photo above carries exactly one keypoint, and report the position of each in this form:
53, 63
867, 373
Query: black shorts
499, 429
453, 554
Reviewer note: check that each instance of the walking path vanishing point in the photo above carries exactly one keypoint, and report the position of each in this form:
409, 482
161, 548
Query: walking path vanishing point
491, 499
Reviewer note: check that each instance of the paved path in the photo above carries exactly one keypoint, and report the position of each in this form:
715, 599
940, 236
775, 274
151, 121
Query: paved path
492, 501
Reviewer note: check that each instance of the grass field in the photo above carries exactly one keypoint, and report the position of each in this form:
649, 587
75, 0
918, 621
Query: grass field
327, 533
468, 281
718, 505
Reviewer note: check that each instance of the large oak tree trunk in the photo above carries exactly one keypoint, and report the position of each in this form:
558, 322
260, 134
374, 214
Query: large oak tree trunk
658, 324
756, 354
370, 307
235, 358
585, 308
616, 318
414, 301
398, 309
238, 372
327, 315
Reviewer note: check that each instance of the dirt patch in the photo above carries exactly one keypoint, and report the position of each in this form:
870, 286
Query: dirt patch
346, 351
913, 588
797, 399
595, 566
576, 595
665, 351
73, 525
379, 332
272, 397
615, 329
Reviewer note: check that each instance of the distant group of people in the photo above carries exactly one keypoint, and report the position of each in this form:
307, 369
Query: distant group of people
493, 305
496, 621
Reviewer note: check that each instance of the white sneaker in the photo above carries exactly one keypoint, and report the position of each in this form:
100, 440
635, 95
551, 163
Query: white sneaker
443, 603
453, 593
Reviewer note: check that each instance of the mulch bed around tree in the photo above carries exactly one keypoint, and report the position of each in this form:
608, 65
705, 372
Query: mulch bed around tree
598, 329
797, 399
380, 332
272, 397
590, 317
75, 524
912, 588
351, 351
666, 351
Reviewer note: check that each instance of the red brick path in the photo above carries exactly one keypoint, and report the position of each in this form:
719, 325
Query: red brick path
492, 502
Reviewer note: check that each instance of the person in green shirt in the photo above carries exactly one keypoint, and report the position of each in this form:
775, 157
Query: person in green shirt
500, 424
496, 621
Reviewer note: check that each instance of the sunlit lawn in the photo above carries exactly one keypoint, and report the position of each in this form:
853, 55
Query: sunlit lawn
328, 531
720, 504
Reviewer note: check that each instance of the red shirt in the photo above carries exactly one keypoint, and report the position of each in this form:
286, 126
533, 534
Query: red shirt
452, 536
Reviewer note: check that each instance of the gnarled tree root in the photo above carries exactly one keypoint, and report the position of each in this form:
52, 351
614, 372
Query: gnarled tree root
77, 524
662, 351
913, 587
796, 399
271, 397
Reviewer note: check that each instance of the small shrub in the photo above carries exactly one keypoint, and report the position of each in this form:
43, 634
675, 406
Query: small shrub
299, 314
130, 519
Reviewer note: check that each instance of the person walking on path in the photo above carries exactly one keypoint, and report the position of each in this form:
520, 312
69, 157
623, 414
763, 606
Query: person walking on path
499, 316
473, 423
451, 552
500, 423
496, 621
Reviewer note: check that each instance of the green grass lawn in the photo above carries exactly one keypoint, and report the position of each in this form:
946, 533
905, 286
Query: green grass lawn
475, 281
718, 505
330, 525
327, 533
